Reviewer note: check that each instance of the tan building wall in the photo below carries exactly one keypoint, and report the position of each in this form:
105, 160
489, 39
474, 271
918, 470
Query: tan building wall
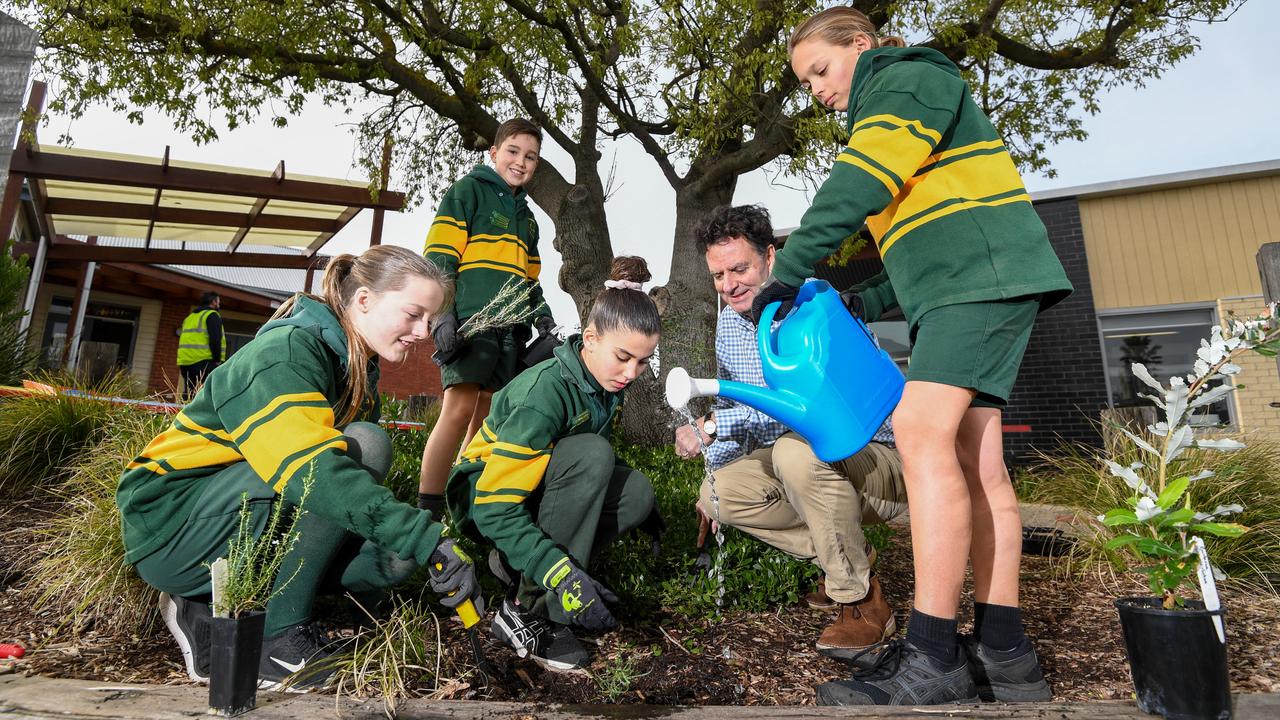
144, 346
1179, 245
1259, 375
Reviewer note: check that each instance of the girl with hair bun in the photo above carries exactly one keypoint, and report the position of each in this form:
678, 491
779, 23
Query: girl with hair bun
540, 481
296, 406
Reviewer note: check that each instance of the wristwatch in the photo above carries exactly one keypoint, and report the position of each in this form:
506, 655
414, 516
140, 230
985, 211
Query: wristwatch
709, 426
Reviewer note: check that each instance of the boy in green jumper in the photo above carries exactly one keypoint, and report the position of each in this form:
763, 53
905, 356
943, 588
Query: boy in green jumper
969, 262
294, 403
486, 237
541, 483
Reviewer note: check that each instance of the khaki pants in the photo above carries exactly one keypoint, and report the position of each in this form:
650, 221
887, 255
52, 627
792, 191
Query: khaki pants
787, 497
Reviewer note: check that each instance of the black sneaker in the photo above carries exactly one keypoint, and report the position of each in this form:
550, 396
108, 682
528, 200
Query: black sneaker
188, 620
549, 644
294, 661
1008, 676
902, 675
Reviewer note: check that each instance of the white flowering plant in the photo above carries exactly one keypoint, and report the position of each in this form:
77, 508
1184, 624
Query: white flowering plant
1158, 524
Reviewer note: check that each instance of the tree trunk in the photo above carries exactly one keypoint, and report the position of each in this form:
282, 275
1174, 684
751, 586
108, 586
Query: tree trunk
688, 321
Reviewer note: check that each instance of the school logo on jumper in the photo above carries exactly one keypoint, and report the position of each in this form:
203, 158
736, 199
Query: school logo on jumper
499, 220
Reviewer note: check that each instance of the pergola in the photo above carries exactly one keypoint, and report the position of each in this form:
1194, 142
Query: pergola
166, 203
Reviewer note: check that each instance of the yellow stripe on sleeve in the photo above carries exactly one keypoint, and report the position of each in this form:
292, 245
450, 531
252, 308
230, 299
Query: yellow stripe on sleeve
294, 466
871, 170
504, 473
902, 230
899, 122
271, 443
272, 406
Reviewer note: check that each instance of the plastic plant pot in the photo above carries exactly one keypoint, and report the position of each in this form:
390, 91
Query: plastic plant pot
235, 647
1179, 666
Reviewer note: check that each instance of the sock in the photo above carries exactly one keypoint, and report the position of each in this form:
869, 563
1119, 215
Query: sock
433, 502
999, 627
935, 636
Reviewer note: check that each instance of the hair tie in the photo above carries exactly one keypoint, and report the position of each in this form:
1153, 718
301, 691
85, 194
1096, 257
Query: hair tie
623, 285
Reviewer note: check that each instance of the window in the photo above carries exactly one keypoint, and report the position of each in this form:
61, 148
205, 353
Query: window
238, 333
894, 339
1165, 341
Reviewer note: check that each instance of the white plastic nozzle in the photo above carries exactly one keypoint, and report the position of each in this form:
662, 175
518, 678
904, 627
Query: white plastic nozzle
681, 388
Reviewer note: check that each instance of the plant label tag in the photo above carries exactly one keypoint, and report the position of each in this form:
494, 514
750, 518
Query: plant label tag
1208, 588
218, 581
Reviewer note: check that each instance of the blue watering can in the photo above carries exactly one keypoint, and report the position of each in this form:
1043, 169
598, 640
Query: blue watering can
826, 378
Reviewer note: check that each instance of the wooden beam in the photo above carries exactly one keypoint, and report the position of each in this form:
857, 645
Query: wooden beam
72, 168
187, 216
258, 206
375, 231
155, 202
200, 284
79, 252
13, 189
324, 237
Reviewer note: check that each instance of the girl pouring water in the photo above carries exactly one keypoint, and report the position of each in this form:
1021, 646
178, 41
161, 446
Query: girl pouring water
968, 261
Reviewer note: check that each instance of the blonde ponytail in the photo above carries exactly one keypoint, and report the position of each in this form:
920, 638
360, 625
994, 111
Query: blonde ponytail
839, 26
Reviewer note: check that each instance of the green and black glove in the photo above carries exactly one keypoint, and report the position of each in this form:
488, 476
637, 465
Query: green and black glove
580, 597
444, 333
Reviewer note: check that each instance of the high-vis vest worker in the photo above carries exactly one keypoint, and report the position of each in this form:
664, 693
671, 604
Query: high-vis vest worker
193, 343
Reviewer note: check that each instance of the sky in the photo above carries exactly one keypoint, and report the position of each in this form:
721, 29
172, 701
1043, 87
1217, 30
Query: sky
1220, 107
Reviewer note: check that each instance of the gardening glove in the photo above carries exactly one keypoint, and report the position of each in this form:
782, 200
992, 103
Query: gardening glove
581, 598
544, 324
654, 526
444, 333
853, 301
453, 575
773, 291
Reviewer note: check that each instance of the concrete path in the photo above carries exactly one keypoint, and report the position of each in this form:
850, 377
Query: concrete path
39, 697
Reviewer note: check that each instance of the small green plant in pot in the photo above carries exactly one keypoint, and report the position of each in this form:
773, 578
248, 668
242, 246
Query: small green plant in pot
243, 582
1176, 646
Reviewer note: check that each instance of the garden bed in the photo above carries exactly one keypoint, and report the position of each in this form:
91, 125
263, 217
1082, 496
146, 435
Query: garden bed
751, 658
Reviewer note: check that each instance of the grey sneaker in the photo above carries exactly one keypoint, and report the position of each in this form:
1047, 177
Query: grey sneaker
901, 675
188, 620
1010, 676
549, 644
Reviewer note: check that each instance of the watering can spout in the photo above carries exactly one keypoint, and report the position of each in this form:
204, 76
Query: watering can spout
781, 405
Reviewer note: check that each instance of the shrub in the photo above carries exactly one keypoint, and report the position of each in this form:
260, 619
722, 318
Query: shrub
19, 358
42, 435
78, 564
756, 576
1075, 476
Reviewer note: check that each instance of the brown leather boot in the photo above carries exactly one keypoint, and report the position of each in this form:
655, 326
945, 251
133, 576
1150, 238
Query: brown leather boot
818, 599
859, 625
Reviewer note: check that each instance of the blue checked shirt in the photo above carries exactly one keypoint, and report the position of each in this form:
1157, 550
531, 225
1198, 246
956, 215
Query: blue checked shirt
741, 430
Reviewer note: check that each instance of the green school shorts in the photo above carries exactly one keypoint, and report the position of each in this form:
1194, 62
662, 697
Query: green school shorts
487, 360
974, 345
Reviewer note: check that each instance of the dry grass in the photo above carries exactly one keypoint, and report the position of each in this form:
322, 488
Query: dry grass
78, 565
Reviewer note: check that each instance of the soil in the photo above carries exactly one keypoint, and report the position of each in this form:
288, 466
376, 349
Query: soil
741, 658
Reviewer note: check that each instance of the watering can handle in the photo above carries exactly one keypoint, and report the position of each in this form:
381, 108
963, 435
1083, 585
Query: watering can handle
767, 338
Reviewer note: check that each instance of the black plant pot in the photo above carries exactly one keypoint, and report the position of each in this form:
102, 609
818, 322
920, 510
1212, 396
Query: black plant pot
235, 647
1179, 666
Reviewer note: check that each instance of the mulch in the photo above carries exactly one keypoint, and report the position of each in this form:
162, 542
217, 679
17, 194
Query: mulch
737, 659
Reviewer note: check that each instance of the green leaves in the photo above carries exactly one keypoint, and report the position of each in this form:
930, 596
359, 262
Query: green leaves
1172, 493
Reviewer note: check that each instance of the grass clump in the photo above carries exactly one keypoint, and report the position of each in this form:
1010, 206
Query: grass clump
1076, 476
43, 436
395, 659
617, 677
78, 561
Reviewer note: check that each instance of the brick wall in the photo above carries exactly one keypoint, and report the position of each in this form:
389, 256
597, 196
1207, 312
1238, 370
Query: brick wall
165, 378
417, 375
1258, 374
1061, 386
